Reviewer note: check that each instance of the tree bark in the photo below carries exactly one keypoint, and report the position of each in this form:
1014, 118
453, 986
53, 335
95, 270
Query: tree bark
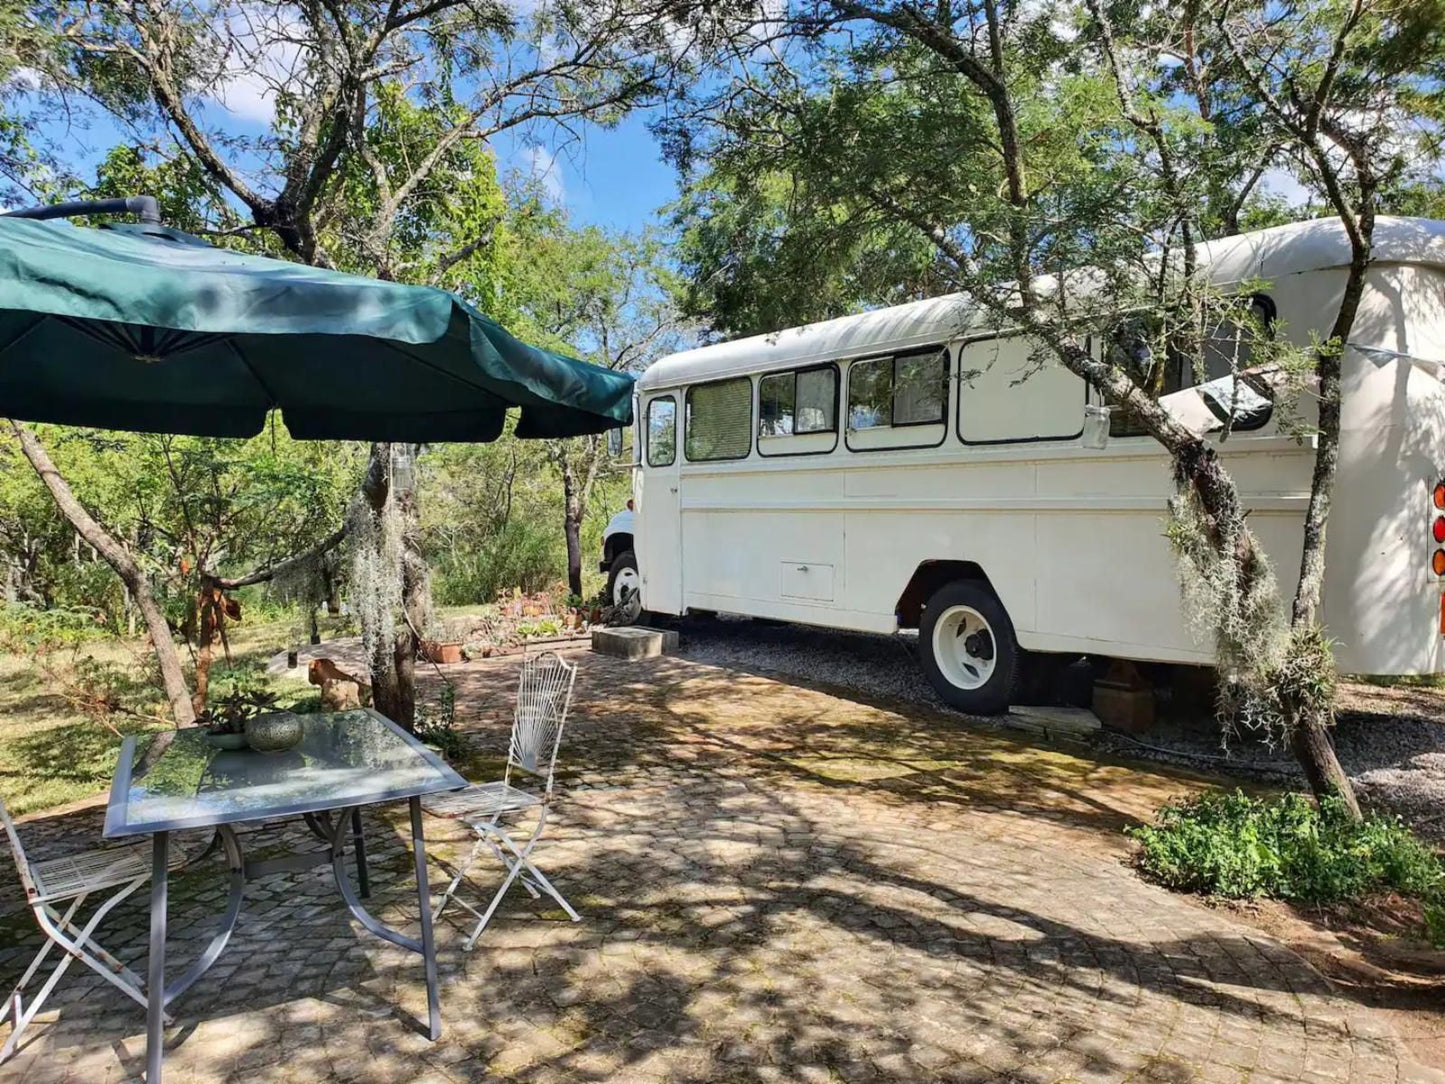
572, 526
393, 675
1311, 744
120, 559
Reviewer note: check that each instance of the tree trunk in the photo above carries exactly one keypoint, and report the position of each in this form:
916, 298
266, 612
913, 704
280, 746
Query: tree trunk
393, 676
572, 527
1309, 739
120, 559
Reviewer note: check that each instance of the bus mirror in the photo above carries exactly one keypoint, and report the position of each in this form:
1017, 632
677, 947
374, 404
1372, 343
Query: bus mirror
614, 442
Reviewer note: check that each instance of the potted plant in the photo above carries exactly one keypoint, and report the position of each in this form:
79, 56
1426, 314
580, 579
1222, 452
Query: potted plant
442, 644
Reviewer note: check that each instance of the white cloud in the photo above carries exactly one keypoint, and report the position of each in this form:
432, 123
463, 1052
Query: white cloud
263, 53
1281, 182
26, 79
542, 164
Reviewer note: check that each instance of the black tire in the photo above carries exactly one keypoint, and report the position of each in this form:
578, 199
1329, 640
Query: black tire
1003, 685
626, 561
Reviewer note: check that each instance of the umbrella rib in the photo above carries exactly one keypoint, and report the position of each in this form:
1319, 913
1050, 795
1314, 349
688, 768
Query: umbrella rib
102, 331
389, 344
261, 380
25, 331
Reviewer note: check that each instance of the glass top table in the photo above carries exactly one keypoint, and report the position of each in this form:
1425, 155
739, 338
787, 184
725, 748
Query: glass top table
178, 779
349, 758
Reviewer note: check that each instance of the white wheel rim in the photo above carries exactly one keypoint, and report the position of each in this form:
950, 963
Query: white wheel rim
964, 647
627, 586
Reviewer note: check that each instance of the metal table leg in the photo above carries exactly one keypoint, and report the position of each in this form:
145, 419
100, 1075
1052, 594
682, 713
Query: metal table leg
237, 865
156, 971
425, 947
423, 899
358, 839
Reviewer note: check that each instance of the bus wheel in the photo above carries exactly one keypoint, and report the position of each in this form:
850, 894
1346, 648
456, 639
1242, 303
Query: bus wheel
624, 589
968, 648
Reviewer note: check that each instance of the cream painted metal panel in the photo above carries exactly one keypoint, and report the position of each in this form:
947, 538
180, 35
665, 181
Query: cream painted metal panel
1006, 394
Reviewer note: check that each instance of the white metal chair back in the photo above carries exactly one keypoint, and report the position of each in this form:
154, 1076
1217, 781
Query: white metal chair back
543, 695
17, 849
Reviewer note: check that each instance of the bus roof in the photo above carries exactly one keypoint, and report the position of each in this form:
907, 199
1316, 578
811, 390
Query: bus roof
1316, 245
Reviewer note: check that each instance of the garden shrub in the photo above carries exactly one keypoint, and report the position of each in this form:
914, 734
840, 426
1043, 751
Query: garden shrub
1289, 848
524, 555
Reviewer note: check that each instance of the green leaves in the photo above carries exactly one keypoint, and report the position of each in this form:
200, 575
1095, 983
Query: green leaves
1286, 848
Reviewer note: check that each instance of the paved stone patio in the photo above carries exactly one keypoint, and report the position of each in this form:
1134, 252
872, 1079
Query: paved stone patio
776, 884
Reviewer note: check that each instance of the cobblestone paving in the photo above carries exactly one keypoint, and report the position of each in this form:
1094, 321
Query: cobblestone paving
776, 884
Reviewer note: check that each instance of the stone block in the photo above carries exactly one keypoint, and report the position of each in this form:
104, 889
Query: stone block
633, 642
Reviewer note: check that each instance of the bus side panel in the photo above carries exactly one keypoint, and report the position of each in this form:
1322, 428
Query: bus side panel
1382, 603
885, 546
751, 562
755, 546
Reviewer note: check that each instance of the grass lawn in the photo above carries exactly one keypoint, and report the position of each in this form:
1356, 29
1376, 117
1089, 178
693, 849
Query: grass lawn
51, 754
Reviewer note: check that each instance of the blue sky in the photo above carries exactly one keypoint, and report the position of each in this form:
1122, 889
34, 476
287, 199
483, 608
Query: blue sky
614, 177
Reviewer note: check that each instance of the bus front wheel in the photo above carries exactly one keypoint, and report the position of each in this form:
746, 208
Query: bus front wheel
968, 649
624, 589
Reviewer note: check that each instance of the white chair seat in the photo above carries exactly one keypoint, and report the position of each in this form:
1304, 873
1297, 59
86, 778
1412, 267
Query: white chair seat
90, 871
480, 802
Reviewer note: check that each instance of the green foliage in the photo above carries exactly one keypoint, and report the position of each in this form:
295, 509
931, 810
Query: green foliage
228, 712
539, 629
180, 503
1288, 848
25, 629
436, 723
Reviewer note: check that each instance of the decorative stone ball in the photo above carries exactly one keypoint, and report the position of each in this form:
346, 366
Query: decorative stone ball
274, 732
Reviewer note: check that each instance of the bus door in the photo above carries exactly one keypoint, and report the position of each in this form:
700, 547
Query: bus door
659, 538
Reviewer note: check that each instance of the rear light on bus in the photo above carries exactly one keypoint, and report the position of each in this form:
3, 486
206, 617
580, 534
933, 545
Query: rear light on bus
1437, 532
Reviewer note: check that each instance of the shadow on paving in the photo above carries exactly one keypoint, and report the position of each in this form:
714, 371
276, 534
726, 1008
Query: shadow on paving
774, 885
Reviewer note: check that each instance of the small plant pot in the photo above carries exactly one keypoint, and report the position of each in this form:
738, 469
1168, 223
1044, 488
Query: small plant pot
442, 651
274, 732
230, 742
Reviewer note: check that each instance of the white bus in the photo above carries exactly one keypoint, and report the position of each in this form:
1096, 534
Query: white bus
889, 471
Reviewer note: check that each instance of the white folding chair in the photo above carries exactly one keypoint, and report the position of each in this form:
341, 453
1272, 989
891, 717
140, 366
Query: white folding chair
71, 881
544, 692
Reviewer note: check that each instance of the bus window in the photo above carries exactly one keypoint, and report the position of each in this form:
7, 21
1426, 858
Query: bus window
918, 387
662, 432
907, 389
1228, 348
719, 422
798, 411
870, 394
797, 403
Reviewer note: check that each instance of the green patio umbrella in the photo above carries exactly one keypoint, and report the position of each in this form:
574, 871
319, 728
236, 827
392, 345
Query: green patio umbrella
145, 328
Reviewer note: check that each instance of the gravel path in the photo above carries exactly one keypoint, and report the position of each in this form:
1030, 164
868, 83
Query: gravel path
1390, 740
